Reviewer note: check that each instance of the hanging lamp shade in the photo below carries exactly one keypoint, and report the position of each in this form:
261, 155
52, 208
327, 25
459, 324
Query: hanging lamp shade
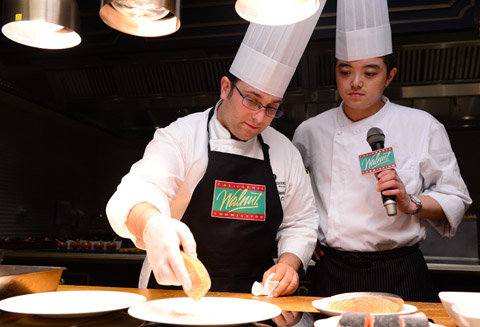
149, 18
276, 12
46, 24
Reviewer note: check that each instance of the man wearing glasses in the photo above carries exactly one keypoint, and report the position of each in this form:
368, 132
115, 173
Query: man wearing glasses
223, 184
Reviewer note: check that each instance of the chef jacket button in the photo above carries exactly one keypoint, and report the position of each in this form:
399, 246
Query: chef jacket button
339, 132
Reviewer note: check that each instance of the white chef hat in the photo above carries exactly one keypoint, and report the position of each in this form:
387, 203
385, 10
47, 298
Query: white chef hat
269, 55
363, 29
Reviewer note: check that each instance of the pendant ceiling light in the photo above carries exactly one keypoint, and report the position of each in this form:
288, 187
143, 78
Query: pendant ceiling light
46, 24
148, 18
276, 12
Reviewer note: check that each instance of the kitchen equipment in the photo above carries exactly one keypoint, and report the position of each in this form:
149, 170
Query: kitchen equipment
468, 313
44, 24
71, 304
18, 280
322, 305
449, 298
208, 311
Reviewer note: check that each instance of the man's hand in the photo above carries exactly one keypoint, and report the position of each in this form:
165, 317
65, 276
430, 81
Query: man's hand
431, 209
163, 237
286, 273
389, 183
318, 252
288, 318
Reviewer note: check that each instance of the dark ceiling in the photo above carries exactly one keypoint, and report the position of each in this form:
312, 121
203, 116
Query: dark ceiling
129, 85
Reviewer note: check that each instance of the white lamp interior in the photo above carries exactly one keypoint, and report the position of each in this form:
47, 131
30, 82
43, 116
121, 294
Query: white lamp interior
276, 12
149, 18
46, 24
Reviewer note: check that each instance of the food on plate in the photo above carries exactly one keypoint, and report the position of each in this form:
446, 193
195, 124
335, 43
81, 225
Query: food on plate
74, 245
112, 246
364, 319
198, 275
99, 246
367, 302
86, 245
353, 319
131, 250
386, 321
62, 245
418, 319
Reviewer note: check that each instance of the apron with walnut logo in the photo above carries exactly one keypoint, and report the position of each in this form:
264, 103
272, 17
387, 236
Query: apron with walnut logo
234, 215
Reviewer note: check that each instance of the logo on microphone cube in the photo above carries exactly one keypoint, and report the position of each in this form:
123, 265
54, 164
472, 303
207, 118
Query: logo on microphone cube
375, 161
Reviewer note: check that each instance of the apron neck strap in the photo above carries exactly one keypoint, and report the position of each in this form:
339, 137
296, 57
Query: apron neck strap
265, 147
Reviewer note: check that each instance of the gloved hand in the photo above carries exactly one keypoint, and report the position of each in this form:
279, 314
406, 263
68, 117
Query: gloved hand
162, 237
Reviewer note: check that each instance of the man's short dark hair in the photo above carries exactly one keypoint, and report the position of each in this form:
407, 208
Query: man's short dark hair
233, 79
390, 61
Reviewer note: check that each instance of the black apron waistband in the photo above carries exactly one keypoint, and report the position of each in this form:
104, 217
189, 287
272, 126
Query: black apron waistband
378, 255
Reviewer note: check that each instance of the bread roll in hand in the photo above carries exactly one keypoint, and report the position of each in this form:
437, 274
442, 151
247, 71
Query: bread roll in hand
198, 275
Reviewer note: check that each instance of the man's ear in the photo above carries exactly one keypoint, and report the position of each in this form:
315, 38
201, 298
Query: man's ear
225, 86
390, 76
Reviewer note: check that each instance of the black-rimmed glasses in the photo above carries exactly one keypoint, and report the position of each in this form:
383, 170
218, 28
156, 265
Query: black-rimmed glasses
254, 105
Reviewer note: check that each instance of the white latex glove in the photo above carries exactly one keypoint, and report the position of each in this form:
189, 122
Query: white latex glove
162, 237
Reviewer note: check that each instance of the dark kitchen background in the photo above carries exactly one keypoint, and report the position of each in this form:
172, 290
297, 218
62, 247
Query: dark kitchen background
73, 121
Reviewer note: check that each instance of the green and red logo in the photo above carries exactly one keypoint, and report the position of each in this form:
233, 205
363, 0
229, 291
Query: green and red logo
239, 201
375, 161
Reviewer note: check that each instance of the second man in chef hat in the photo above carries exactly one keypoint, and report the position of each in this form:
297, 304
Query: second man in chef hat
223, 184
361, 247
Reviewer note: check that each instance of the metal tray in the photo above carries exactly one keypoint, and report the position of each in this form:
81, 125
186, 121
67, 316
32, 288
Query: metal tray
18, 280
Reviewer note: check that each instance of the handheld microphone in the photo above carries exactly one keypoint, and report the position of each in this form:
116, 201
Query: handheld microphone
376, 138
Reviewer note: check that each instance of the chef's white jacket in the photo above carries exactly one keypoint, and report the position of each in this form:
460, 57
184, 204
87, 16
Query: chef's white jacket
352, 215
176, 160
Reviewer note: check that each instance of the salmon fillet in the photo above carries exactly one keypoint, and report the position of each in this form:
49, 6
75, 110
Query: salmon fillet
355, 319
364, 319
367, 302
198, 275
418, 319
386, 321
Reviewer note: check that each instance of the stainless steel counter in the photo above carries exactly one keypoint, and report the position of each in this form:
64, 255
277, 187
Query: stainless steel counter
64, 256
450, 264
84, 268
102, 268
436, 264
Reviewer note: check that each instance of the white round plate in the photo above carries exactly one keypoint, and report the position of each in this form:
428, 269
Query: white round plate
333, 322
69, 304
322, 305
206, 311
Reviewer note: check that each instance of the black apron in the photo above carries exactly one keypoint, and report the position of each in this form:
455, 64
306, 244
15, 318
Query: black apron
235, 242
402, 271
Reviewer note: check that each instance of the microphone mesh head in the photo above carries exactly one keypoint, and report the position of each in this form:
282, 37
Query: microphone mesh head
375, 135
